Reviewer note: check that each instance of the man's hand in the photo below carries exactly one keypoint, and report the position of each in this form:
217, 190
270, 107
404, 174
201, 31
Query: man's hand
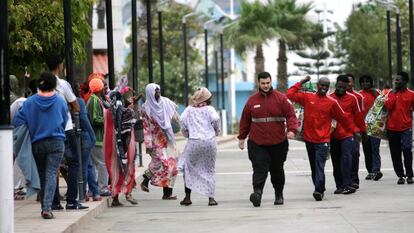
357, 137
305, 79
290, 135
241, 144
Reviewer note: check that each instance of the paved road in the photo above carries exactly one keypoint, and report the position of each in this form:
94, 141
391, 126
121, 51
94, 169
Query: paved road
377, 207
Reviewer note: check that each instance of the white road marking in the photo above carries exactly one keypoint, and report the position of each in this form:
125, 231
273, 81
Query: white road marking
304, 172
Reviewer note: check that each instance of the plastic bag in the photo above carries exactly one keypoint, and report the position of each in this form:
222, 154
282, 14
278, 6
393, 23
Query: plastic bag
376, 119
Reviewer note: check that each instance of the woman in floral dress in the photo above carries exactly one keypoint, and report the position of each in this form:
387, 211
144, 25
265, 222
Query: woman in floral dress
200, 124
157, 114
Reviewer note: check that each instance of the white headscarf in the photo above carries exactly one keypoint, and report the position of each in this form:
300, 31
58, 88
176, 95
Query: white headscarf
162, 110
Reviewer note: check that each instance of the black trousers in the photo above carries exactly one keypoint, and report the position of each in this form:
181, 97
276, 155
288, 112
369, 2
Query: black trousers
267, 159
401, 143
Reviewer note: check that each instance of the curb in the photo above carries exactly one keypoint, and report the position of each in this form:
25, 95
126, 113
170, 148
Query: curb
95, 211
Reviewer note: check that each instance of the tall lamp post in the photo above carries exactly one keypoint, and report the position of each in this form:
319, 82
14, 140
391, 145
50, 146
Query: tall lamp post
67, 13
110, 43
160, 7
184, 21
411, 25
6, 130
149, 41
206, 50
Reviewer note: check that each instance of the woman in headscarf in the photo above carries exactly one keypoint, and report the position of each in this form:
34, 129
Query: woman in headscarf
200, 124
157, 114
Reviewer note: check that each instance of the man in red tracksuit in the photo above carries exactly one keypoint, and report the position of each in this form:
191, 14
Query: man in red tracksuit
355, 153
266, 118
342, 139
319, 111
372, 144
400, 104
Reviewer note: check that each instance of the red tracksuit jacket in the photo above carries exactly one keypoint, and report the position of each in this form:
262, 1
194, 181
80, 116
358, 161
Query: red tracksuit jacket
399, 106
349, 104
369, 99
319, 111
259, 105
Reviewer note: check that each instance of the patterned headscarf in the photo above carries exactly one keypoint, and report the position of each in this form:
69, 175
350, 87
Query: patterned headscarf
162, 110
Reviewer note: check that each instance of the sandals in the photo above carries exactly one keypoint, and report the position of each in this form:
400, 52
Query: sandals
130, 199
144, 188
47, 214
186, 202
212, 202
116, 203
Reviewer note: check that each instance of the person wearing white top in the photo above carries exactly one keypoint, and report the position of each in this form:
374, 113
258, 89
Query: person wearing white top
200, 124
63, 88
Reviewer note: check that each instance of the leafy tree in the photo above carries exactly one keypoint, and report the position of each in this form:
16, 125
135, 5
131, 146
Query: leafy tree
364, 40
36, 29
173, 53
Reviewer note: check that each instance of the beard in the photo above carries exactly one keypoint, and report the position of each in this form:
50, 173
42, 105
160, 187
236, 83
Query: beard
265, 92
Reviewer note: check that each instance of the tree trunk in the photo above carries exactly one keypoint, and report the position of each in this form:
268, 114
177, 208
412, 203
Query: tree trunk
258, 62
282, 67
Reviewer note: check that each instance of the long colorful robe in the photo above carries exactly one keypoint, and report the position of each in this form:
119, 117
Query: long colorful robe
119, 181
163, 166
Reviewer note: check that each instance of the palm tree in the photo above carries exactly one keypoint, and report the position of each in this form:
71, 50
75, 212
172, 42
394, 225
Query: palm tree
252, 31
292, 30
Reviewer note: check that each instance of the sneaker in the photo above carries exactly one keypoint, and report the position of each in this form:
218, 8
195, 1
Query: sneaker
57, 207
339, 191
255, 199
377, 176
105, 193
370, 176
76, 206
348, 190
318, 196
401, 180
355, 186
97, 198
47, 214
410, 180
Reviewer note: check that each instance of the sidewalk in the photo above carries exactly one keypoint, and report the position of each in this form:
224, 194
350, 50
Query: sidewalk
27, 212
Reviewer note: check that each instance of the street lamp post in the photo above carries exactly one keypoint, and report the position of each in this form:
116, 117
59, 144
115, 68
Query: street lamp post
399, 46
161, 45
411, 25
184, 21
389, 45
149, 41
110, 43
67, 13
6, 130
217, 79
206, 50
134, 45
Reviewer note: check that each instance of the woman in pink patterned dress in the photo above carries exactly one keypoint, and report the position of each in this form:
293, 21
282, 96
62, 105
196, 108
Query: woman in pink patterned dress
157, 114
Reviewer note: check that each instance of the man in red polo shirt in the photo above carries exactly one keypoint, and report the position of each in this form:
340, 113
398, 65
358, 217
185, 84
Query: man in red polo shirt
269, 120
355, 152
400, 104
343, 138
319, 110
372, 144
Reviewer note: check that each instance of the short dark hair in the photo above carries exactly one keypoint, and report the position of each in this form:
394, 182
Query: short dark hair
350, 75
367, 78
47, 81
53, 61
263, 75
404, 75
342, 78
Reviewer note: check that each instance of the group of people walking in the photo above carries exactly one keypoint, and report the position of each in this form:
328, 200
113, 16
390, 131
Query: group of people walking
107, 122
333, 124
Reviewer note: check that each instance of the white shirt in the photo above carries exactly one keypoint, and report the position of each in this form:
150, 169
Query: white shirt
64, 89
200, 122
15, 107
